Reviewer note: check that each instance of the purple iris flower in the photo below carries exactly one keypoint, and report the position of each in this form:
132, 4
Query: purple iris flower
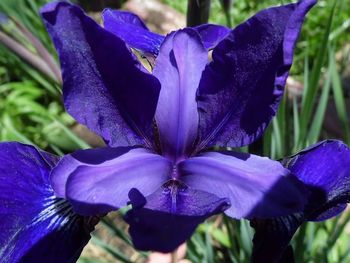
160, 127
166, 131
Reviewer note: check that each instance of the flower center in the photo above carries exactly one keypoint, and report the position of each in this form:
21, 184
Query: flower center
174, 188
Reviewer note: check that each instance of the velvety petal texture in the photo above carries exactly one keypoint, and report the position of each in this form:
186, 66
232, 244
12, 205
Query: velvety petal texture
96, 185
35, 226
179, 66
241, 88
257, 187
325, 171
103, 85
165, 219
132, 30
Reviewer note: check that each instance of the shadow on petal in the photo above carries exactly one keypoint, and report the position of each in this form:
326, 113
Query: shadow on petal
170, 215
324, 170
290, 193
272, 237
257, 187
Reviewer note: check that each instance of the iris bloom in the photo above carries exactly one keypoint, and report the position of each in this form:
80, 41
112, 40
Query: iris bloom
160, 127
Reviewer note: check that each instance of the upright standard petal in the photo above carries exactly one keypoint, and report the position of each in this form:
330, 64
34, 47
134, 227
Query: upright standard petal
132, 30
35, 226
135, 33
256, 186
241, 88
211, 34
96, 185
179, 67
325, 171
103, 86
165, 219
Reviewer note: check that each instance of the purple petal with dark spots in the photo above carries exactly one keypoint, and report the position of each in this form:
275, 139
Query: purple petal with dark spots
257, 187
241, 88
165, 219
103, 85
35, 226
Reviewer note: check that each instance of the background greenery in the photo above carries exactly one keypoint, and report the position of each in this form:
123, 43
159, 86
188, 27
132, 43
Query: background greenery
31, 111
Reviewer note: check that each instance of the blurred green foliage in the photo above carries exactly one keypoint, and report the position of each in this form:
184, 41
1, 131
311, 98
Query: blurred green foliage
30, 100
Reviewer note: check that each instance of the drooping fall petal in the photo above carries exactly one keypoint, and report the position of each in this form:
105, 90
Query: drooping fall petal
36, 226
257, 187
165, 219
96, 185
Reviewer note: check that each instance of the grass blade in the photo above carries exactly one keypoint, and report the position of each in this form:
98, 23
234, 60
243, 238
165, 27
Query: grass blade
313, 84
339, 97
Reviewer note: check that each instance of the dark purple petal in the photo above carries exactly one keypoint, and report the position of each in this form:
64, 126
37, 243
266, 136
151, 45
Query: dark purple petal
256, 186
103, 85
179, 66
132, 30
98, 181
165, 219
135, 33
324, 168
35, 226
272, 237
211, 34
241, 88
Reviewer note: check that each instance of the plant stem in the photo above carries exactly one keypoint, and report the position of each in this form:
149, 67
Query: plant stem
197, 12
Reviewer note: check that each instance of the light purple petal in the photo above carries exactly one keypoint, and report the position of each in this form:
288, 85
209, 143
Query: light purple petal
132, 30
324, 168
35, 226
179, 66
241, 88
103, 85
256, 186
211, 34
97, 187
165, 219
70, 162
